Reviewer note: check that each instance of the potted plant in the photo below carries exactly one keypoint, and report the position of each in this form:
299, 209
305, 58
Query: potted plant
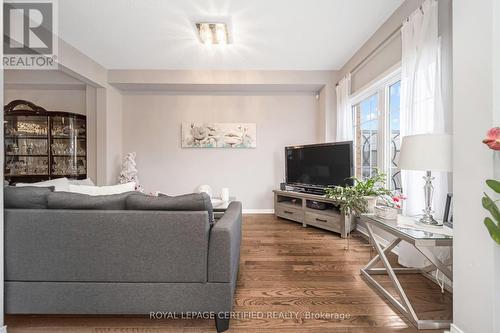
391, 206
362, 196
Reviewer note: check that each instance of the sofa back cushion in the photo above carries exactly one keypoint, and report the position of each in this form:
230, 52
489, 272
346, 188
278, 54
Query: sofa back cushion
27, 197
106, 246
186, 202
67, 200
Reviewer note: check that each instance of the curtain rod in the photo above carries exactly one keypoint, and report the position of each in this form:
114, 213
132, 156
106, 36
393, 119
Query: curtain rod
370, 55
386, 41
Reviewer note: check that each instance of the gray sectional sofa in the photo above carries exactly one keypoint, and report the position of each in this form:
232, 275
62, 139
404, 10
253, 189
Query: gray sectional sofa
69, 253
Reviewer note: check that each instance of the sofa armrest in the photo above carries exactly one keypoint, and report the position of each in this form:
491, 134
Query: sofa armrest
224, 246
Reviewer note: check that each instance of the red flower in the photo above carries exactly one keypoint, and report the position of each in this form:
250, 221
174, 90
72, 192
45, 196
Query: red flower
493, 138
395, 199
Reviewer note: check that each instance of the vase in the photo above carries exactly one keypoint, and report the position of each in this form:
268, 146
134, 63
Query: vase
371, 202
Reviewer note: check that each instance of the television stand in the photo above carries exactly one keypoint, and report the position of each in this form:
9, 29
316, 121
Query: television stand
310, 190
293, 206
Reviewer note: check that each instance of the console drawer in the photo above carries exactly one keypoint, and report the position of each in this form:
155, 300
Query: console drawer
289, 213
329, 221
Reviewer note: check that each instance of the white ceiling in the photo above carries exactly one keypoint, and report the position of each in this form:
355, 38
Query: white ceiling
267, 34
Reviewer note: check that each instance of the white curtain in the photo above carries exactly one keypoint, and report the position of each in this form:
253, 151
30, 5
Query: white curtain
344, 113
421, 111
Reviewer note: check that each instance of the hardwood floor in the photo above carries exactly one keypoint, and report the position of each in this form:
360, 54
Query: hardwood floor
291, 279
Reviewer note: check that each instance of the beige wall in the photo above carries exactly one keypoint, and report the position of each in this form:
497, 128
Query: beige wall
476, 298
107, 110
282, 103
91, 112
67, 100
113, 134
152, 128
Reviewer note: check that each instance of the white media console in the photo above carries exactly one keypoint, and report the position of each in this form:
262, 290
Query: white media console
294, 206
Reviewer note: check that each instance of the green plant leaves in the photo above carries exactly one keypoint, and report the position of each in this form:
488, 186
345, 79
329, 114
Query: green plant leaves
493, 229
490, 206
351, 198
494, 185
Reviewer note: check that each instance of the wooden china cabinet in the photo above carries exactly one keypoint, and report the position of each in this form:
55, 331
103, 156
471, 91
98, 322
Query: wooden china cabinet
41, 145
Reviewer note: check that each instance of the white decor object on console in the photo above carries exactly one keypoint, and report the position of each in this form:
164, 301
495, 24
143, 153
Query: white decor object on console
224, 194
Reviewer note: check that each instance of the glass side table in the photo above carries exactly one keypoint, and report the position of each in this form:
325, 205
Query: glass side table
423, 241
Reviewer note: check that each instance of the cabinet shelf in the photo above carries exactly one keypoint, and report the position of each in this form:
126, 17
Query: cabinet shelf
27, 176
68, 137
27, 137
294, 206
84, 175
26, 155
69, 155
290, 204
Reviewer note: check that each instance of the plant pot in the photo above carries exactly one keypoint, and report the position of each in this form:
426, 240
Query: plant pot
387, 213
371, 202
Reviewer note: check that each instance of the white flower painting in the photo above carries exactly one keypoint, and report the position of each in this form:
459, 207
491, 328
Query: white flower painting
219, 135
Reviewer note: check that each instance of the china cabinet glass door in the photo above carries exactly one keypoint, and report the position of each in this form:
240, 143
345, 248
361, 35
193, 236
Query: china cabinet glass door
68, 146
26, 146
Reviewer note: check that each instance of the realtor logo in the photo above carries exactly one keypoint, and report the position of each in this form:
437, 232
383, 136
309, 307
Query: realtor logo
30, 36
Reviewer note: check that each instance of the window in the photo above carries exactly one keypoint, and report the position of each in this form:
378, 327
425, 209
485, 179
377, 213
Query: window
376, 119
393, 172
366, 136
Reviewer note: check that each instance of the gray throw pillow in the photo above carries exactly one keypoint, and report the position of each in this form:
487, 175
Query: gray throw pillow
27, 197
186, 202
69, 200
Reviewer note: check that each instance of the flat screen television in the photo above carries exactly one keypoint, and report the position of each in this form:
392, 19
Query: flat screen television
319, 165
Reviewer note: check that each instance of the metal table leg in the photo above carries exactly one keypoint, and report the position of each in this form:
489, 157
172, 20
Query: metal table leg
404, 306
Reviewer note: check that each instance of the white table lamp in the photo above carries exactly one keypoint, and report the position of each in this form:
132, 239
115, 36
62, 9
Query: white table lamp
426, 152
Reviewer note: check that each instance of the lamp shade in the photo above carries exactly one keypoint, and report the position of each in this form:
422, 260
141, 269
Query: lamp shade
427, 152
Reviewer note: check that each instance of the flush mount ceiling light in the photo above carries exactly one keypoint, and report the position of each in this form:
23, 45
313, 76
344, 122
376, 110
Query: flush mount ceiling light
213, 33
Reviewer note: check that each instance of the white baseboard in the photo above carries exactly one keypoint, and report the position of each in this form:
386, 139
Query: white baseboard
3, 329
454, 329
258, 211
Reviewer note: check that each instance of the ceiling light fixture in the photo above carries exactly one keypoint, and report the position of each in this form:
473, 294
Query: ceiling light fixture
213, 33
